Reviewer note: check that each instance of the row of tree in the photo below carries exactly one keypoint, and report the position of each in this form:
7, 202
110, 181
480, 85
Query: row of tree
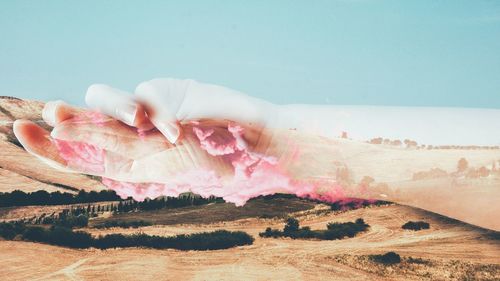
78, 216
66, 237
42, 197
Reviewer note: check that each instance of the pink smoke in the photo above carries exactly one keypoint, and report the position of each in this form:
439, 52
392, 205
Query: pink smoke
253, 175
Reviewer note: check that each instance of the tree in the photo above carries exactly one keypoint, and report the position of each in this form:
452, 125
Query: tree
462, 165
292, 225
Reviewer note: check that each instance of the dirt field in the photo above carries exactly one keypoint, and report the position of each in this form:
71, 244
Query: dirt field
449, 250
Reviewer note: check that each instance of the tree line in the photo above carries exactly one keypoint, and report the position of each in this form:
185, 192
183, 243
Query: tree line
78, 216
66, 237
42, 197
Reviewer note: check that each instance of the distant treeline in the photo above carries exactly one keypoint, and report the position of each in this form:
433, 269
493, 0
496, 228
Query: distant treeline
123, 224
42, 197
354, 203
66, 237
188, 199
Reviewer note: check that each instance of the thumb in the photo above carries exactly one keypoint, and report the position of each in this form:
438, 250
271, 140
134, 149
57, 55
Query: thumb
117, 104
162, 99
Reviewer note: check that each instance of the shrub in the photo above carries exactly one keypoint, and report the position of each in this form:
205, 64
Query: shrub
292, 225
35, 234
66, 237
333, 231
418, 261
387, 258
123, 224
353, 203
269, 232
62, 236
10, 230
69, 220
416, 225
347, 229
220, 239
42, 197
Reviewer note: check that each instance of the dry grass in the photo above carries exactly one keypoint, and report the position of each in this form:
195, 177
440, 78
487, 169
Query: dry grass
450, 250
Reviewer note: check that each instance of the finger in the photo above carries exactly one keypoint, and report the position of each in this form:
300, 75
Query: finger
37, 141
114, 136
55, 112
117, 104
162, 98
73, 157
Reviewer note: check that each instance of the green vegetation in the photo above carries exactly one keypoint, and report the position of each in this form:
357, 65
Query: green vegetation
334, 231
63, 236
275, 206
159, 203
220, 239
418, 261
354, 203
123, 224
416, 225
66, 218
387, 258
42, 197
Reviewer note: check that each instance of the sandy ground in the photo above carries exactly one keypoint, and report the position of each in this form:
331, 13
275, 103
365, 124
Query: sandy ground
453, 249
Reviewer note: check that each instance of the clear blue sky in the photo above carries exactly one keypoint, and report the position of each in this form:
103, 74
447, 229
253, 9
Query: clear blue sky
425, 53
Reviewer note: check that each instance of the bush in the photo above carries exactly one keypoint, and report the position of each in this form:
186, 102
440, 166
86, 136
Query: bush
333, 231
418, 261
9, 230
63, 236
42, 197
416, 225
220, 239
292, 225
123, 224
35, 234
68, 220
387, 258
347, 229
269, 232
354, 203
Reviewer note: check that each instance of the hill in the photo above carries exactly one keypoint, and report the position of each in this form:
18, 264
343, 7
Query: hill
449, 250
20, 170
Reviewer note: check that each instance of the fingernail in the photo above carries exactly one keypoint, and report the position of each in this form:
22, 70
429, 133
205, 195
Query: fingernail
49, 112
127, 113
170, 131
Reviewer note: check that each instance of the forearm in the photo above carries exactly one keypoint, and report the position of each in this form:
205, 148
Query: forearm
426, 125
427, 177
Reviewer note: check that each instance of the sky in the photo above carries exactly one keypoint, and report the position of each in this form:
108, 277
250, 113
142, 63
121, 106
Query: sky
360, 52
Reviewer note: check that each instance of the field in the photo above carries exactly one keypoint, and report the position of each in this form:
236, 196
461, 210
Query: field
449, 250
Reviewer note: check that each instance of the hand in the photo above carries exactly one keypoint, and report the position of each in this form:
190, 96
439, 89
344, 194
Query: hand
214, 157
167, 102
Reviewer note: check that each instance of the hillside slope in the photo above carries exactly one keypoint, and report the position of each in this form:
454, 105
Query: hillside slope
449, 250
20, 170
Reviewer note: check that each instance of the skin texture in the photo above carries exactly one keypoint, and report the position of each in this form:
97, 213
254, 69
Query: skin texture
174, 136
